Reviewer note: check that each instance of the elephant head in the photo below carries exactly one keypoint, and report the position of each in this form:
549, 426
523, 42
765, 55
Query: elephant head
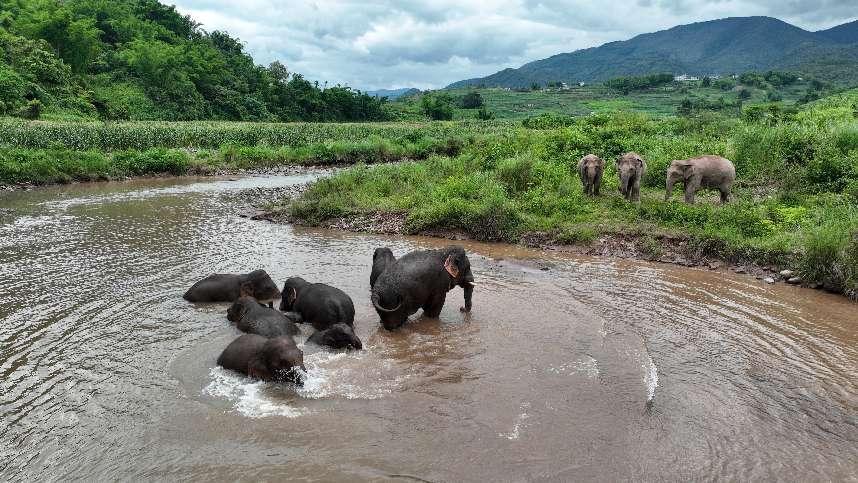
236, 311
280, 360
457, 265
676, 172
291, 289
630, 167
261, 285
337, 336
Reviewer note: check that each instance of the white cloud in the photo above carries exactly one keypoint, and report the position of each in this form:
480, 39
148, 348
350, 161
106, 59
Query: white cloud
373, 44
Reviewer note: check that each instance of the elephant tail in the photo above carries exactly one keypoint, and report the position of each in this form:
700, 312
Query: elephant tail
377, 304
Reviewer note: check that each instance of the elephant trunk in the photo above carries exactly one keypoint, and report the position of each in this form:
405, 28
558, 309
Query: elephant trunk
377, 304
668, 189
624, 183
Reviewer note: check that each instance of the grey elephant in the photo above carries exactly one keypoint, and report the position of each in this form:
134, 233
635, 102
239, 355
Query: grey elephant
707, 171
631, 168
590, 169
277, 359
227, 287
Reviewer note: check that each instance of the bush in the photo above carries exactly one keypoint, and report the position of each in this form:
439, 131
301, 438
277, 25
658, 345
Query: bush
437, 106
471, 100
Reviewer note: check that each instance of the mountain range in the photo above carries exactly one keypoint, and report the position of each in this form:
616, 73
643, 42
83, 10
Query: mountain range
725, 46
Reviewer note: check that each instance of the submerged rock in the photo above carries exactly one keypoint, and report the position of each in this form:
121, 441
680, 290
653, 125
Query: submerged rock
787, 273
769, 280
794, 280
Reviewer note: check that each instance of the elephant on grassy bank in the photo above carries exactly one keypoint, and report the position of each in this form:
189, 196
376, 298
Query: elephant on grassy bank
631, 168
227, 287
381, 258
590, 169
277, 359
421, 279
707, 171
254, 318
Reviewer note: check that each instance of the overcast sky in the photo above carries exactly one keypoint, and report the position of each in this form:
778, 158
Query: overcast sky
372, 44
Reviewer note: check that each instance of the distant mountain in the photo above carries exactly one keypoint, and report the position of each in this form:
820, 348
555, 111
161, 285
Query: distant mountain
845, 34
730, 45
393, 94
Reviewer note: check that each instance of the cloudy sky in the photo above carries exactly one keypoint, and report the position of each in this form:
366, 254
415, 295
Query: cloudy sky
372, 44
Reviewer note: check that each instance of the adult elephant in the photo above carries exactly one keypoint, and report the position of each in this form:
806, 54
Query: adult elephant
254, 318
381, 258
631, 168
277, 359
227, 287
707, 171
318, 304
421, 279
590, 169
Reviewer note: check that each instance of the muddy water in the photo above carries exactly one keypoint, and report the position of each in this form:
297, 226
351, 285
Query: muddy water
567, 369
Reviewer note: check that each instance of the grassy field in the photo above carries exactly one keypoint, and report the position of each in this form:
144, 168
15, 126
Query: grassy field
796, 198
578, 101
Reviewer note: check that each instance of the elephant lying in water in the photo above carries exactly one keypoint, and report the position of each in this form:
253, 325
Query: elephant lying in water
421, 279
337, 336
326, 308
254, 318
704, 172
225, 287
277, 359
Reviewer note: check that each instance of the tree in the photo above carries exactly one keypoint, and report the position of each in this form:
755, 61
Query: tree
744, 94
437, 106
685, 107
485, 115
706, 82
471, 100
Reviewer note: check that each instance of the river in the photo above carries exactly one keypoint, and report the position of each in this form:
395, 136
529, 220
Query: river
568, 368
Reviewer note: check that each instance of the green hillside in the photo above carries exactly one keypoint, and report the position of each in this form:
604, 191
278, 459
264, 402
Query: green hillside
142, 60
731, 45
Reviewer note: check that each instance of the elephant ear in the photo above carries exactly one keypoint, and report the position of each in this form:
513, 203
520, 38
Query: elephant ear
451, 267
292, 295
687, 169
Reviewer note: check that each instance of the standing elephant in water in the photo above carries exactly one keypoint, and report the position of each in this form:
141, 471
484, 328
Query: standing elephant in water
631, 168
421, 279
704, 172
227, 287
590, 169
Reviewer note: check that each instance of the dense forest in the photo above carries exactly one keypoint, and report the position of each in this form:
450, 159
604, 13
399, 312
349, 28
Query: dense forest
142, 60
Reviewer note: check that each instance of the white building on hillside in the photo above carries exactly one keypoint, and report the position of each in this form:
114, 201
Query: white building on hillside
685, 78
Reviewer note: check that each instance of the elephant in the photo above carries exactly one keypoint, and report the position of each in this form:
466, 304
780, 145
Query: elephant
318, 304
381, 258
707, 171
631, 168
337, 336
590, 168
421, 279
224, 287
277, 359
254, 318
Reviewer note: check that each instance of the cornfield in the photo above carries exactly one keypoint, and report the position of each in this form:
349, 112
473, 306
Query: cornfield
110, 136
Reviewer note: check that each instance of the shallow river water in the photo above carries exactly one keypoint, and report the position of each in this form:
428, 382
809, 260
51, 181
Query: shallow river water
568, 368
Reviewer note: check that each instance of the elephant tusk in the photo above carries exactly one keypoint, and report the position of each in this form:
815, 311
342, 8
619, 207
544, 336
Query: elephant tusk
379, 307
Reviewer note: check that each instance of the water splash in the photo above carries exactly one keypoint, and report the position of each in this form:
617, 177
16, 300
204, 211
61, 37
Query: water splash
248, 396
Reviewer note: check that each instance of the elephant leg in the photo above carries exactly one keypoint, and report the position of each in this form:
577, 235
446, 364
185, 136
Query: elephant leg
636, 191
725, 196
432, 308
596, 185
689, 194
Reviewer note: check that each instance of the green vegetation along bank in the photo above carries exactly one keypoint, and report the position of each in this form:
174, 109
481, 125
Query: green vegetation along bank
796, 197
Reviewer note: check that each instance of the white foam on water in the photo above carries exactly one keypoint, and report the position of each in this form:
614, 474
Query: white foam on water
247, 396
519, 422
586, 365
650, 377
349, 375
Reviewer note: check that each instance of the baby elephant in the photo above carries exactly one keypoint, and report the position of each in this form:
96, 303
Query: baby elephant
318, 304
631, 168
225, 287
590, 169
337, 336
277, 359
381, 258
254, 318
704, 172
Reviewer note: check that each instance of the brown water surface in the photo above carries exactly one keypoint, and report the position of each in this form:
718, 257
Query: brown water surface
568, 368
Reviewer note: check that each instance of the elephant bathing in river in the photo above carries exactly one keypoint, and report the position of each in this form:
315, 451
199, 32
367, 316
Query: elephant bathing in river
421, 279
254, 318
328, 309
277, 359
704, 172
225, 287
337, 336
631, 168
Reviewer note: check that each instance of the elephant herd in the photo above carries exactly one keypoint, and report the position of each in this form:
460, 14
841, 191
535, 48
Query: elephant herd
706, 171
267, 350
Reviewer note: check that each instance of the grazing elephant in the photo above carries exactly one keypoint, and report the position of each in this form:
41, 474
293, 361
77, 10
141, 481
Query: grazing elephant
254, 318
381, 258
590, 169
421, 279
277, 359
224, 287
337, 336
318, 304
704, 172
631, 168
